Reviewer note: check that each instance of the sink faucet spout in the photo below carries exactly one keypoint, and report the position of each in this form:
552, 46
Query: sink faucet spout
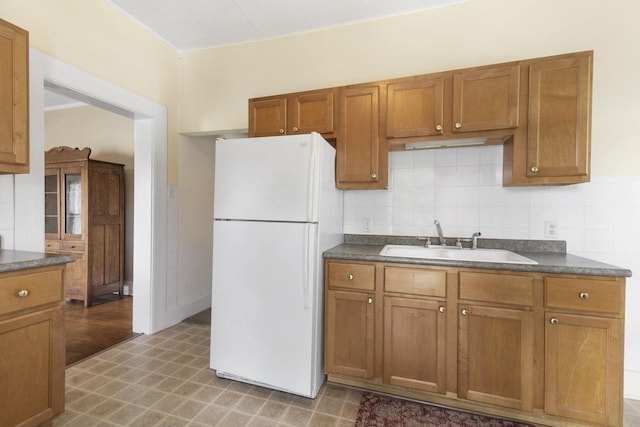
443, 242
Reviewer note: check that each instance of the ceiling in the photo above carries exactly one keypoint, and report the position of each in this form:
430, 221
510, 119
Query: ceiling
199, 24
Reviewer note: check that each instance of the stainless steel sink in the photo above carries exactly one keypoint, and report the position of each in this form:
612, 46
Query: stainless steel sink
455, 254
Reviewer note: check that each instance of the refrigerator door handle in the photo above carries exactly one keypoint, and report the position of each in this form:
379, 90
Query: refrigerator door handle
311, 193
307, 278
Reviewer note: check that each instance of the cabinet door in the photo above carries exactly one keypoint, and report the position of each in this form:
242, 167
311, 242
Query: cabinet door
73, 207
52, 204
106, 211
583, 360
495, 356
311, 112
32, 368
14, 99
414, 108
486, 99
267, 117
559, 117
414, 344
361, 156
349, 335
75, 277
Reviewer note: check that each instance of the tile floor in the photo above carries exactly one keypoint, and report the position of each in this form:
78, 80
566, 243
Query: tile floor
164, 380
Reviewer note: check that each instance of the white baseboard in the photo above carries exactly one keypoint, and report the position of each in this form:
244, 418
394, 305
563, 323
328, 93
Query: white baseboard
631, 384
178, 314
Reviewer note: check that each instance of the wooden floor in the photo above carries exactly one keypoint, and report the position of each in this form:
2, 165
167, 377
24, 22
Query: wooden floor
103, 325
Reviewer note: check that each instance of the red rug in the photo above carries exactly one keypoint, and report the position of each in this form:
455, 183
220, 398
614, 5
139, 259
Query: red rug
381, 411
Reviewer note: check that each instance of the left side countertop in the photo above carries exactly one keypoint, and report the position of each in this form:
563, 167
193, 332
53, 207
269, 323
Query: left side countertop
20, 260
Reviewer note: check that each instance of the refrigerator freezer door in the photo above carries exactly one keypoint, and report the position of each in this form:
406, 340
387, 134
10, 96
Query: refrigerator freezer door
268, 179
265, 327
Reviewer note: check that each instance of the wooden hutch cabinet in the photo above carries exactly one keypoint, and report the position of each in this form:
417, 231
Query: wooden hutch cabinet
14, 99
84, 217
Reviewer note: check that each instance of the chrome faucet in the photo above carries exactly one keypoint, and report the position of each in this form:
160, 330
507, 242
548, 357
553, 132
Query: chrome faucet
443, 242
474, 240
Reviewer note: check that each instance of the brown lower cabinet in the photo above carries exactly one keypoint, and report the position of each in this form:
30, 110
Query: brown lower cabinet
32, 349
542, 348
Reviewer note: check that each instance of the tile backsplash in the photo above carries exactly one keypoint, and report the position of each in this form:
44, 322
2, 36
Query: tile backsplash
462, 188
6, 212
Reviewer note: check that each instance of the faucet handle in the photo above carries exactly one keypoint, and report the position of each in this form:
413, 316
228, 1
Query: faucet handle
427, 241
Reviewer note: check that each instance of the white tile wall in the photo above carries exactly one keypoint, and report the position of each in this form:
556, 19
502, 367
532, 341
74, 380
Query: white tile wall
461, 187
6, 212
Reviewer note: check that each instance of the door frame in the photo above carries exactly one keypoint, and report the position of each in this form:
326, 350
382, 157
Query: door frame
150, 180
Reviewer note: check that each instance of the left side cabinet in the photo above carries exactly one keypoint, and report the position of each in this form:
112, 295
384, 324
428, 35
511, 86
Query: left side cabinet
14, 99
31, 346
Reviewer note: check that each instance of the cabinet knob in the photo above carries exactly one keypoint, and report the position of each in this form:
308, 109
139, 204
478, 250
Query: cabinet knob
442, 309
583, 295
464, 312
534, 169
295, 129
374, 175
553, 321
439, 128
23, 293
281, 130
369, 300
350, 276
458, 125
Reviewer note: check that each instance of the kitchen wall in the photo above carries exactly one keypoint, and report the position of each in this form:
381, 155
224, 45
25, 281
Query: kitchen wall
594, 218
216, 83
110, 137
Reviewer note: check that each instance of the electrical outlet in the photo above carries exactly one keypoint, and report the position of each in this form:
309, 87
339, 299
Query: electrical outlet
367, 225
551, 229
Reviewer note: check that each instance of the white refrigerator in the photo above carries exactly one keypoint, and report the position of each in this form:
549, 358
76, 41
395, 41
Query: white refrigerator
276, 210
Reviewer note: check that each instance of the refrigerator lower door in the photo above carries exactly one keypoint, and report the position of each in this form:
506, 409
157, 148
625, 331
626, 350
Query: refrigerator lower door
266, 323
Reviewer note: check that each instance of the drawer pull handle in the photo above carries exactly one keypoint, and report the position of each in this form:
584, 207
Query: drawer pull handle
464, 312
442, 309
350, 276
553, 321
369, 300
583, 295
23, 293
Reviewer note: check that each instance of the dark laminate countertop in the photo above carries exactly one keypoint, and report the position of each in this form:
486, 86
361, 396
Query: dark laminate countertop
20, 260
551, 259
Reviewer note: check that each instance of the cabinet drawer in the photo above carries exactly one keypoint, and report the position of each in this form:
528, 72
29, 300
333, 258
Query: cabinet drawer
415, 281
72, 246
51, 245
602, 296
500, 288
42, 287
352, 276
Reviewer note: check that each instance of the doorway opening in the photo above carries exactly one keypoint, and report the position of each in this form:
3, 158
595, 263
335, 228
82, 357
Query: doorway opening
150, 180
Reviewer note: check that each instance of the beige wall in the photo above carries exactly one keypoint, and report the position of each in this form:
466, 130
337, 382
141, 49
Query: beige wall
96, 37
110, 137
216, 83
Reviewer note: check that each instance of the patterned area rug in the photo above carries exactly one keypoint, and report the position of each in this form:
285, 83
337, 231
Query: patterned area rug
381, 411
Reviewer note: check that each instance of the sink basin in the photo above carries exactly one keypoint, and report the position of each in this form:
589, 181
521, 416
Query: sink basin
454, 254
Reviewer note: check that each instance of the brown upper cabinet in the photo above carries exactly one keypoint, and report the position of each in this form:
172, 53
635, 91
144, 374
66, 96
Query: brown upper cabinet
443, 105
540, 109
415, 107
554, 146
362, 155
296, 113
14, 99
486, 98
